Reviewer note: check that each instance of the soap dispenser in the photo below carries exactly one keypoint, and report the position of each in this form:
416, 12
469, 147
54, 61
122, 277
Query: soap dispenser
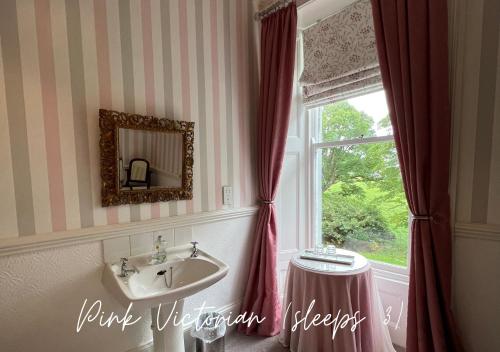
159, 251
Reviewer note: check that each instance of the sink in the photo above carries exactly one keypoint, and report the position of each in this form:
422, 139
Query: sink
147, 289
188, 277
163, 287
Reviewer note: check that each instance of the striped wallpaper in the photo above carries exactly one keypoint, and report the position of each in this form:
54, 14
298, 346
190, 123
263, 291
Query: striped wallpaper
478, 152
62, 60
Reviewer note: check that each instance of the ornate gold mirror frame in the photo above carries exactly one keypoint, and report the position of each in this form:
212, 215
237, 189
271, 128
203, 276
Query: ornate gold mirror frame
109, 123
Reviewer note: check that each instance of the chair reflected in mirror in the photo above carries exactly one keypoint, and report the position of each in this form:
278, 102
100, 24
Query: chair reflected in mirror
138, 174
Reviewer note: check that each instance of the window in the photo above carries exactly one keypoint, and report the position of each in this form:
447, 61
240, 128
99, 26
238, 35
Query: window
359, 198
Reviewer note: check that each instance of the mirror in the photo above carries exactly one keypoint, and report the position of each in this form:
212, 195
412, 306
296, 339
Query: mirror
144, 158
149, 159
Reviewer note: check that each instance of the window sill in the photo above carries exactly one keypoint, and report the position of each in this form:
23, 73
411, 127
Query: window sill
390, 272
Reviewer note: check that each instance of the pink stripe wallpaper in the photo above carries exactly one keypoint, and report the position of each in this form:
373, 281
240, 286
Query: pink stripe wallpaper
50, 114
147, 37
185, 86
180, 59
216, 98
240, 66
104, 74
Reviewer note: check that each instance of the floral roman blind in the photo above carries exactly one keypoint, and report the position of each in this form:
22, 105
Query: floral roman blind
340, 56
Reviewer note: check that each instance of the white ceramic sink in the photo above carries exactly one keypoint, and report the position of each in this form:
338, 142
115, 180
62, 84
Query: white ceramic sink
164, 284
188, 276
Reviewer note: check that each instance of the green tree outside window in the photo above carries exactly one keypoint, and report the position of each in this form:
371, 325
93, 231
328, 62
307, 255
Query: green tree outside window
363, 202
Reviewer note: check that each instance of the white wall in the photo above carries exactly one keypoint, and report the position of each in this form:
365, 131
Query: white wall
42, 292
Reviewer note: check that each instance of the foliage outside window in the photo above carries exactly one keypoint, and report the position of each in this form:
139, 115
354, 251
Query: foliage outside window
363, 206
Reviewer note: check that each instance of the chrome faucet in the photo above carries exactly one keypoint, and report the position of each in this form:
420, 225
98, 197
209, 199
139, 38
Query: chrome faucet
124, 271
194, 254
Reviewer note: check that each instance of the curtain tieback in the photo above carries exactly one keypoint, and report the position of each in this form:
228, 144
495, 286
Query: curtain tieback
422, 217
265, 201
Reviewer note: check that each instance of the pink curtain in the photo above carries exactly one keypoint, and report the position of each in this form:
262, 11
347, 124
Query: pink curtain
413, 53
278, 35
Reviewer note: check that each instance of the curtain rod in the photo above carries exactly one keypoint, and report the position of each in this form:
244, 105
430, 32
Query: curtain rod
277, 5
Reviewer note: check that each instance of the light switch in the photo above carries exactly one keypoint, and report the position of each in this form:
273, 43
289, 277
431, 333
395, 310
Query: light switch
227, 195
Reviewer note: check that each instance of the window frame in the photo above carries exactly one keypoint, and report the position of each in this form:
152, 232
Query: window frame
314, 113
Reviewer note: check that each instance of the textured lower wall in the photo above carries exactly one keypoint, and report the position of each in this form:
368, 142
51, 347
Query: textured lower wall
42, 293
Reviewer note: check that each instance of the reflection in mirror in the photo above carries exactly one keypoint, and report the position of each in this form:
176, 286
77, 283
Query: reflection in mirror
149, 159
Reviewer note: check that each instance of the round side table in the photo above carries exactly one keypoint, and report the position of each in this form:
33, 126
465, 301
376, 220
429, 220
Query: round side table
333, 307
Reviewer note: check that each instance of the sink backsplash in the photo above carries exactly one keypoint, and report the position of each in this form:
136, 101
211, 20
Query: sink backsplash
126, 246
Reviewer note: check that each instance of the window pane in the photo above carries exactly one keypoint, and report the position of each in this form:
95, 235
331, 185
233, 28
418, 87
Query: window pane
363, 203
366, 116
